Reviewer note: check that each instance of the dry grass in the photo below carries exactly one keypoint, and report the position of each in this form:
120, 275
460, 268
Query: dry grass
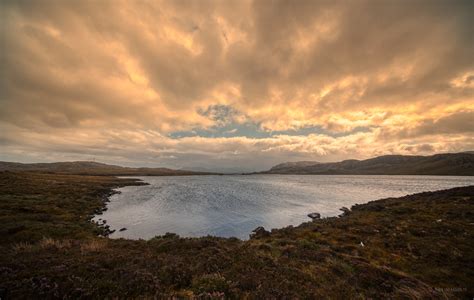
93, 246
21, 247
49, 243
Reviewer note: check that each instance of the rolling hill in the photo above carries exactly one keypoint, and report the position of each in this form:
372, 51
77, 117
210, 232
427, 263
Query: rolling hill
92, 168
439, 164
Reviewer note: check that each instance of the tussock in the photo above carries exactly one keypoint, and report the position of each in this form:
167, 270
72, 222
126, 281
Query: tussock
93, 246
49, 243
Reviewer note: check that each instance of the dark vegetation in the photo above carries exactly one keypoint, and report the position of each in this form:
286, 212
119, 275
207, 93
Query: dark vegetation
57, 206
418, 246
461, 164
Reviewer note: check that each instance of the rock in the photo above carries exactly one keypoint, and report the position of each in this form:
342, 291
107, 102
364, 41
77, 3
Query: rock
170, 235
345, 211
314, 216
259, 232
123, 229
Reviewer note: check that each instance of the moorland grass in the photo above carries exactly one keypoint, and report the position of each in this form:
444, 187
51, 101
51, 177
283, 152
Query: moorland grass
418, 246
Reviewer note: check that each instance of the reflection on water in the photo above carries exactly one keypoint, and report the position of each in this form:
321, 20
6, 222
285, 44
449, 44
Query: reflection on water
235, 205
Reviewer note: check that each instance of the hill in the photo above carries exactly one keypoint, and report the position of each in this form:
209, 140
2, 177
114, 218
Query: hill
439, 164
294, 165
92, 168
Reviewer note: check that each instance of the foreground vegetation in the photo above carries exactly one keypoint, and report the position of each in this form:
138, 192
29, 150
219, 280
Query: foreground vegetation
418, 246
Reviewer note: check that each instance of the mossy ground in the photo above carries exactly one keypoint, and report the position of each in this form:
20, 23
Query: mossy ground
418, 246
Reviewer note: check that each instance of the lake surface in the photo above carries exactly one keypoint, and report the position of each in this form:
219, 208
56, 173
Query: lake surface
234, 205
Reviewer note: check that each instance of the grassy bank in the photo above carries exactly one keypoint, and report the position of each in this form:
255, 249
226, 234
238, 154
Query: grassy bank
416, 246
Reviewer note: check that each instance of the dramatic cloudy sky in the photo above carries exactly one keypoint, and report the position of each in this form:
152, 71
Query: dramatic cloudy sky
237, 85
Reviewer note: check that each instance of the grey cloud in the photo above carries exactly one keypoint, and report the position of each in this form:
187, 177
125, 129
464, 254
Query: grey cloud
460, 122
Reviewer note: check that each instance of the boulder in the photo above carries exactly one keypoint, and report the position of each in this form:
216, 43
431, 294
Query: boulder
345, 210
314, 216
259, 232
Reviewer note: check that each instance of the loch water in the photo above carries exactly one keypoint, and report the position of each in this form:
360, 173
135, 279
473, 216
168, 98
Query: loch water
234, 205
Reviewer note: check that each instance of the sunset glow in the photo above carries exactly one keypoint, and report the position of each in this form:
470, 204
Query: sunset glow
234, 85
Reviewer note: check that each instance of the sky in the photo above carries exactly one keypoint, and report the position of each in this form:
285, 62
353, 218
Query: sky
234, 85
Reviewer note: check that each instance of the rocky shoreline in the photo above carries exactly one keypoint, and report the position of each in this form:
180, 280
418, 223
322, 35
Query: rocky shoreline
105, 230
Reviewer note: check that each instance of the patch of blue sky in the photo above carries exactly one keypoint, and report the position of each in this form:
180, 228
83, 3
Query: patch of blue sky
254, 130
248, 129
225, 117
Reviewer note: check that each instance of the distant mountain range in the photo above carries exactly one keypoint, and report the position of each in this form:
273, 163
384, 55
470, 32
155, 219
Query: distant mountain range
461, 164
92, 168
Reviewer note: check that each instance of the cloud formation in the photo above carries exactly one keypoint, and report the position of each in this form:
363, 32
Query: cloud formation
234, 84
